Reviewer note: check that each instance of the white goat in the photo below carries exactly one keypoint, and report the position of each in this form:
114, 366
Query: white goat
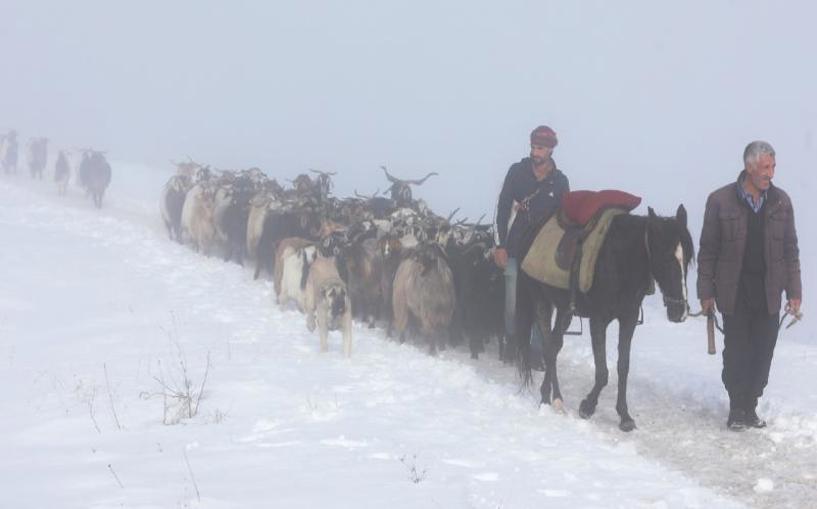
293, 257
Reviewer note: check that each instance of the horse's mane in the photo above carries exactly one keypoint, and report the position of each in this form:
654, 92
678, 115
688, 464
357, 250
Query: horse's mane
685, 238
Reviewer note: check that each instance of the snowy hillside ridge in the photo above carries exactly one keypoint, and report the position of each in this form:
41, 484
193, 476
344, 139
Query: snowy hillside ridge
94, 302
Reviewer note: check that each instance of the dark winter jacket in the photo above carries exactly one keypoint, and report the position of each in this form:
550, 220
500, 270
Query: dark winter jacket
723, 246
537, 200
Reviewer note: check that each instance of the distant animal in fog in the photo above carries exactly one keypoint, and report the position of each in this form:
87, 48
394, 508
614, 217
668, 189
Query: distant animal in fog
37, 156
62, 173
95, 175
9, 146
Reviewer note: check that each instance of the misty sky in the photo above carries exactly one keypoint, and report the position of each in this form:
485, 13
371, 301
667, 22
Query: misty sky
657, 98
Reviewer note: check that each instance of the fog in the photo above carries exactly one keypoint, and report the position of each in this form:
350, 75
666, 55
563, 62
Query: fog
655, 98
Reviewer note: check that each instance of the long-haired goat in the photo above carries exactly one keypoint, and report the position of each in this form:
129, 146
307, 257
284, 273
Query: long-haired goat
293, 258
198, 218
172, 202
424, 289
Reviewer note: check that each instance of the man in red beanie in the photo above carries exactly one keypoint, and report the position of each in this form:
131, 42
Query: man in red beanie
533, 190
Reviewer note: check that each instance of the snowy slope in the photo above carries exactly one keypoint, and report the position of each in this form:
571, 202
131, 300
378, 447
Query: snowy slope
95, 306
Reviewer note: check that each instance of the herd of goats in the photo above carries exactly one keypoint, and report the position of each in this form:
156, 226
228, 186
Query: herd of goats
94, 172
374, 258
385, 259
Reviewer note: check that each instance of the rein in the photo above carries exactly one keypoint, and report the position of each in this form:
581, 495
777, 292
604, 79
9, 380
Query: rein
711, 315
796, 317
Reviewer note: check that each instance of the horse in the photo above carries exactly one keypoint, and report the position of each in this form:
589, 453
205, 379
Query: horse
636, 251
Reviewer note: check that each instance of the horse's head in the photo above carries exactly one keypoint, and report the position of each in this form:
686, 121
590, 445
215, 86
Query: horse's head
669, 252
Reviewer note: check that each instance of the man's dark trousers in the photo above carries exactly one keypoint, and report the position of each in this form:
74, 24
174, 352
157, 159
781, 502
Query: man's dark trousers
750, 335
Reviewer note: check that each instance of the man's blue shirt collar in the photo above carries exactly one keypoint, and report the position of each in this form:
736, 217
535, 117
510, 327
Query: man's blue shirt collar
748, 198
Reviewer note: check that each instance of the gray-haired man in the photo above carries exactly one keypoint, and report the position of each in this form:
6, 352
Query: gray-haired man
748, 256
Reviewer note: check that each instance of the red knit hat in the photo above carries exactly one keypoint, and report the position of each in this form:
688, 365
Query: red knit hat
543, 136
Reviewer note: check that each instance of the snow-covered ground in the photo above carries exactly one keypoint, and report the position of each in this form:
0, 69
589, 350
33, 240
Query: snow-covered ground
98, 309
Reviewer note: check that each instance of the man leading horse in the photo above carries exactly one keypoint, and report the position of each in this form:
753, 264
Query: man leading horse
532, 192
748, 256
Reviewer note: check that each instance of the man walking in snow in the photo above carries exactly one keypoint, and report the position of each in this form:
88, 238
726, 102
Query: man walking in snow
533, 189
748, 256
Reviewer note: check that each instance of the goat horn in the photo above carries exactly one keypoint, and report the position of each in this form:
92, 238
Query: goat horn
419, 182
325, 173
392, 179
451, 215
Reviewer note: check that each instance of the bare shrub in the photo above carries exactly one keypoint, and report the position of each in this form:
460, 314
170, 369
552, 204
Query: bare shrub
415, 475
180, 395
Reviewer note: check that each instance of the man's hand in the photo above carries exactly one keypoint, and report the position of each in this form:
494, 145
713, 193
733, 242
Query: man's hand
793, 306
501, 257
708, 306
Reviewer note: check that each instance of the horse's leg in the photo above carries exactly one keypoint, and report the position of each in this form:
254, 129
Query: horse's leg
544, 313
626, 328
598, 334
557, 340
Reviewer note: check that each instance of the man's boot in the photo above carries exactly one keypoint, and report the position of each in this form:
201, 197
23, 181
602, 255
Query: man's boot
736, 420
752, 420
737, 414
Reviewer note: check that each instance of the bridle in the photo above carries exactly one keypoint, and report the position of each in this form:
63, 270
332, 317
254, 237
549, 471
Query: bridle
667, 300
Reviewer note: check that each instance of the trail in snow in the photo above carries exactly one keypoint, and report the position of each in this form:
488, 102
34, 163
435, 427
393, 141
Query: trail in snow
457, 427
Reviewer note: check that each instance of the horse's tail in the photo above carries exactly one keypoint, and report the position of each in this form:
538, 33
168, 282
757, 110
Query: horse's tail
525, 303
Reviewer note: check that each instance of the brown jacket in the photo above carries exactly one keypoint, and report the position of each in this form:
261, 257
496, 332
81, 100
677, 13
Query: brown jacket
723, 240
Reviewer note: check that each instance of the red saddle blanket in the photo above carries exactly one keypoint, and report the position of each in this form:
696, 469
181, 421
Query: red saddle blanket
580, 206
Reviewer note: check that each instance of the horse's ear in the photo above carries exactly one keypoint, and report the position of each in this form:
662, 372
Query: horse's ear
651, 213
681, 215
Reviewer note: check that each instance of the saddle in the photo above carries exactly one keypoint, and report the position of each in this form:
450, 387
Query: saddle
566, 248
580, 207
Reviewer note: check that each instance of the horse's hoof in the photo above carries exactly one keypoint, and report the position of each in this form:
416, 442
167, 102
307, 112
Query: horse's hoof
586, 410
559, 407
627, 425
